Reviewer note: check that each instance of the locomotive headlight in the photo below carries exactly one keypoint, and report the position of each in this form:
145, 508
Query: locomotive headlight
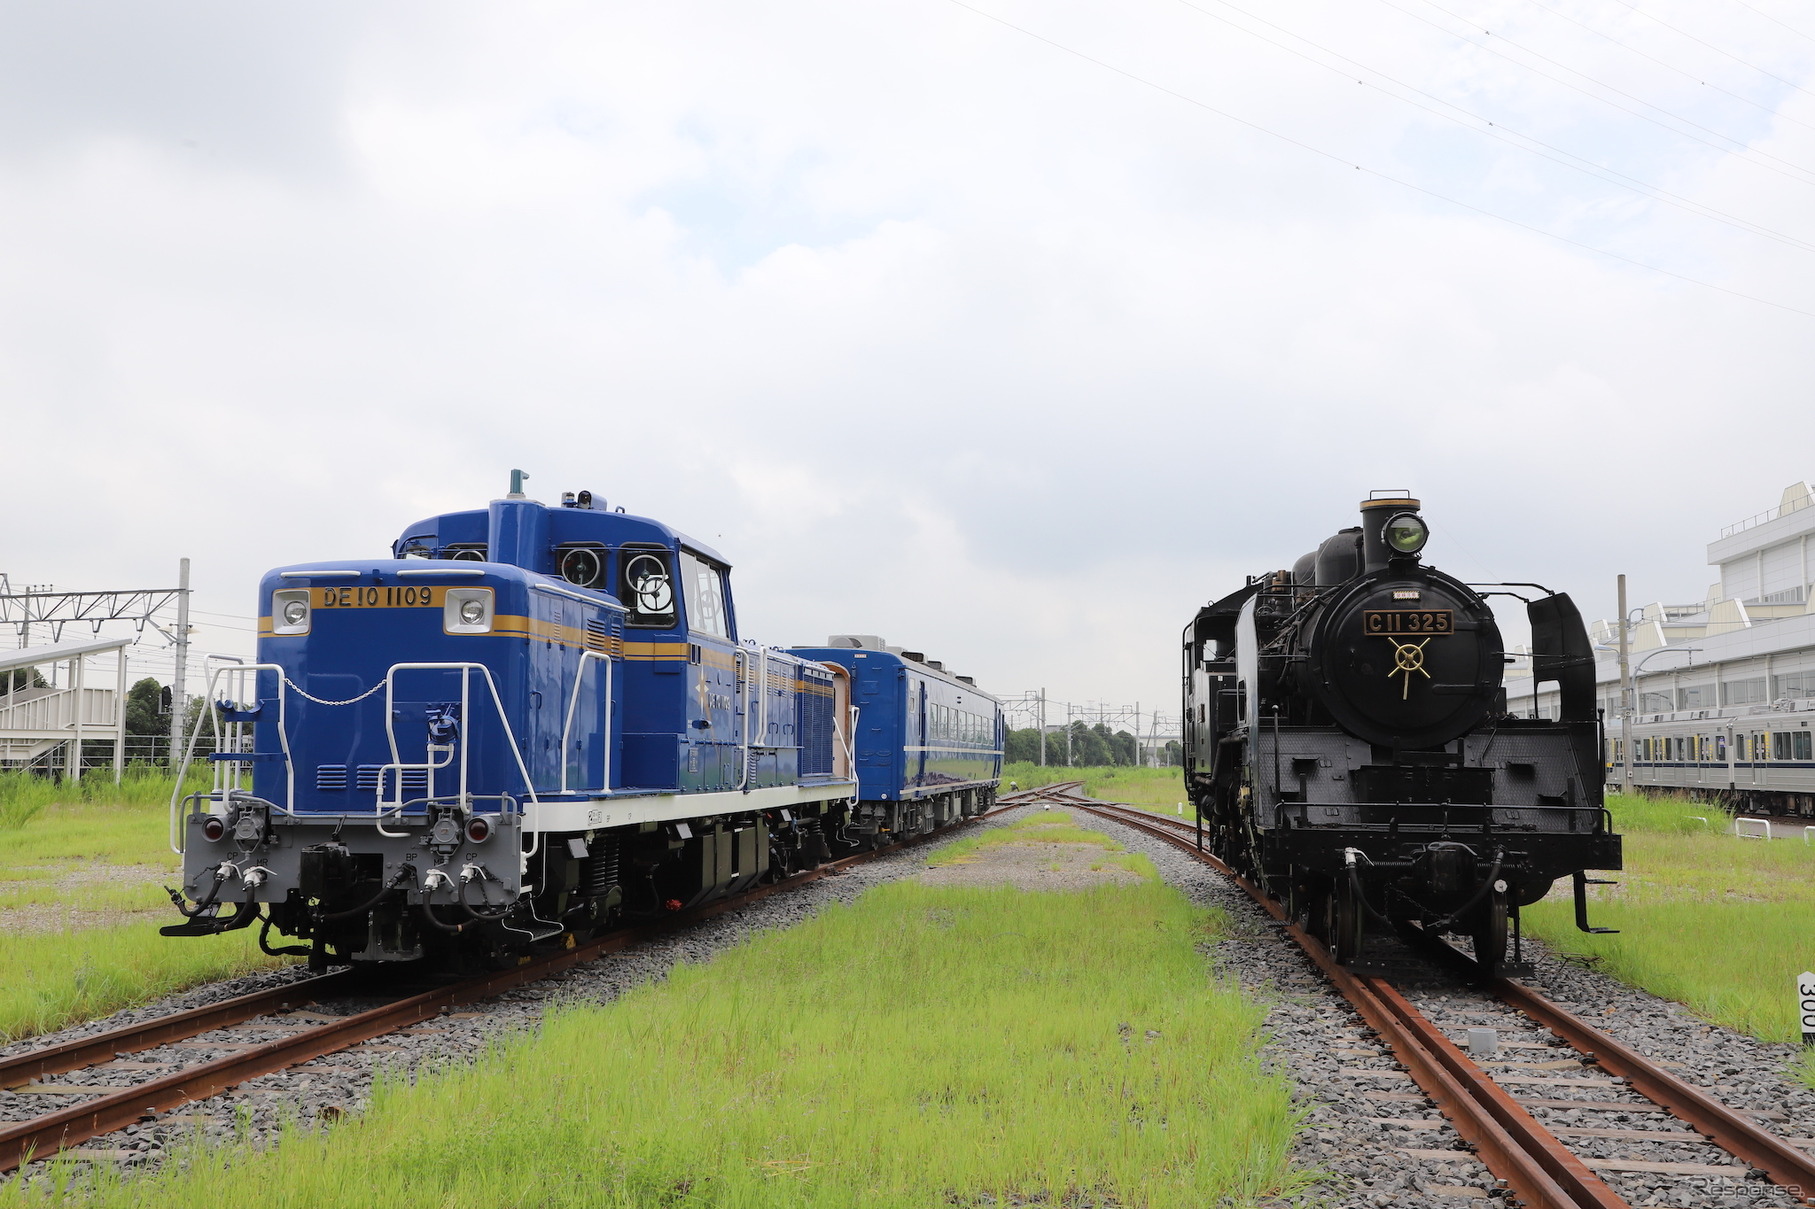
290, 611
1406, 533
467, 611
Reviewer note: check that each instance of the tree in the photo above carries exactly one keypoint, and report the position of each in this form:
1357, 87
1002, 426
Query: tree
1022, 746
145, 716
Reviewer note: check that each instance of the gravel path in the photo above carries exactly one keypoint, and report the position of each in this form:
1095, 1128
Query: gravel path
1377, 1140
340, 1084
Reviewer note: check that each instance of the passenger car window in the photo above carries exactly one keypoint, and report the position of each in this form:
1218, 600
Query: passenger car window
704, 586
646, 587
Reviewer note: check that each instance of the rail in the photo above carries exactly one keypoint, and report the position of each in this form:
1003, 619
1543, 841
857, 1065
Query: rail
115, 1108
1515, 1146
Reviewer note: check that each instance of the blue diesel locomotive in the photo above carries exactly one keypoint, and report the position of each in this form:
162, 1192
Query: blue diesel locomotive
532, 721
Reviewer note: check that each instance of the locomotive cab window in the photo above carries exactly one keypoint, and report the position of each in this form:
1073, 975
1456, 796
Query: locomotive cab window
646, 586
704, 587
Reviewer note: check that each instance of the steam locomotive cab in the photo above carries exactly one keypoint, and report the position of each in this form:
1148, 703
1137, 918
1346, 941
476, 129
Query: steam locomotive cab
1348, 743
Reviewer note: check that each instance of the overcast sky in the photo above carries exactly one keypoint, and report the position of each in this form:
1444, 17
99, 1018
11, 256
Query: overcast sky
1009, 330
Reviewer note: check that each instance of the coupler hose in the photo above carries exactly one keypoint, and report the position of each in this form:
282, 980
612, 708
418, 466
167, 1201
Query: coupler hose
264, 945
481, 916
428, 909
202, 904
1487, 884
403, 873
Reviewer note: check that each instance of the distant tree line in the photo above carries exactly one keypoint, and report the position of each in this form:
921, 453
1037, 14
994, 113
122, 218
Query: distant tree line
1091, 746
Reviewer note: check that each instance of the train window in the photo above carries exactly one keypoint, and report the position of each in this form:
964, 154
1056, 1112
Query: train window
704, 587
1802, 747
646, 587
1720, 749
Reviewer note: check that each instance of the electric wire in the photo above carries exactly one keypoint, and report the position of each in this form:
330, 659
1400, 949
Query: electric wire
1374, 172
1686, 74
1711, 46
1739, 147
1499, 130
1767, 16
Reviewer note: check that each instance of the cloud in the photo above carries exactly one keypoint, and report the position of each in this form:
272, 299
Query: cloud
935, 329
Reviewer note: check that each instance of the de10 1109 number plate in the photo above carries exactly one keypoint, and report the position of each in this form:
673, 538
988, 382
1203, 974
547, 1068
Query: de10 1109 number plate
1401, 623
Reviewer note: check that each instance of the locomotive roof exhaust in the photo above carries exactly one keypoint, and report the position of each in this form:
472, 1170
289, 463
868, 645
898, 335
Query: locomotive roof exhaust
1390, 528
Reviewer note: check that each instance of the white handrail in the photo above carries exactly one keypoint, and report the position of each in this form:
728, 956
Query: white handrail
741, 659
240, 668
465, 669
573, 703
1752, 835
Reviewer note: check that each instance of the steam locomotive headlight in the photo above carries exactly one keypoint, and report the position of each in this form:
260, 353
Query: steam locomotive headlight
290, 611
1406, 533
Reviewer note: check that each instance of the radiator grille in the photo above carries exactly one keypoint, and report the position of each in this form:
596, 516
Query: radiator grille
330, 777
415, 780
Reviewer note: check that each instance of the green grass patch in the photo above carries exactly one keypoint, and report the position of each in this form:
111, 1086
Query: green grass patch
55, 979
99, 850
1158, 789
1042, 827
923, 1046
1717, 923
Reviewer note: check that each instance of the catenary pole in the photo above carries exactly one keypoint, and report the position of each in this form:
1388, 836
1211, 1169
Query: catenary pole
177, 685
1625, 700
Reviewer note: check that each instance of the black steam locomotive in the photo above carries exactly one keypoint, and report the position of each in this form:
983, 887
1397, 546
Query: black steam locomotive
1348, 743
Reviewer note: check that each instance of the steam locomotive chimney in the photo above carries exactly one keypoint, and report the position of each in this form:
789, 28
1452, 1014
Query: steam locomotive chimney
1376, 510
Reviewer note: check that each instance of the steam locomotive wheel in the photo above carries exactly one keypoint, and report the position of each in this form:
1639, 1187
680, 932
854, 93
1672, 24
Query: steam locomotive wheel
1337, 919
1489, 934
1348, 921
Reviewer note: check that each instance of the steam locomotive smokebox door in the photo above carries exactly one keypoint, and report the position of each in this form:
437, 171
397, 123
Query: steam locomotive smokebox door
1408, 659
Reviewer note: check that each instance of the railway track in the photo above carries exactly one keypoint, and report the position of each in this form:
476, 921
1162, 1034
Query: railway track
1581, 1071
276, 1029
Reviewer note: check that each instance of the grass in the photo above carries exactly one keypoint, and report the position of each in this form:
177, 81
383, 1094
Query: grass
1159, 789
1717, 923
97, 852
55, 979
1046, 827
955, 1046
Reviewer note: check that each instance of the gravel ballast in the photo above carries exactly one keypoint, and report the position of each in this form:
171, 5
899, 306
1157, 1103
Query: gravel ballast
340, 1084
1378, 1140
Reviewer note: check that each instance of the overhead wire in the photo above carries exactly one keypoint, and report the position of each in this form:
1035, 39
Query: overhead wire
1375, 172
1711, 46
1499, 130
1685, 73
1767, 16
1739, 146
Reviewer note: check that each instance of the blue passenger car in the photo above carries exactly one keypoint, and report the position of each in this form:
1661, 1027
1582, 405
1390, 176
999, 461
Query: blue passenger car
928, 745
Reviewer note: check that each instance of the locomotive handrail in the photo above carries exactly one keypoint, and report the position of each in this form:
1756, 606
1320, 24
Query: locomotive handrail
239, 667
574, 701
465, 670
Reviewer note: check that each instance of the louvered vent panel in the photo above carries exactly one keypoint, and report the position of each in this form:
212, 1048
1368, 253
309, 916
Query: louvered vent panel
330, 777
366, 779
